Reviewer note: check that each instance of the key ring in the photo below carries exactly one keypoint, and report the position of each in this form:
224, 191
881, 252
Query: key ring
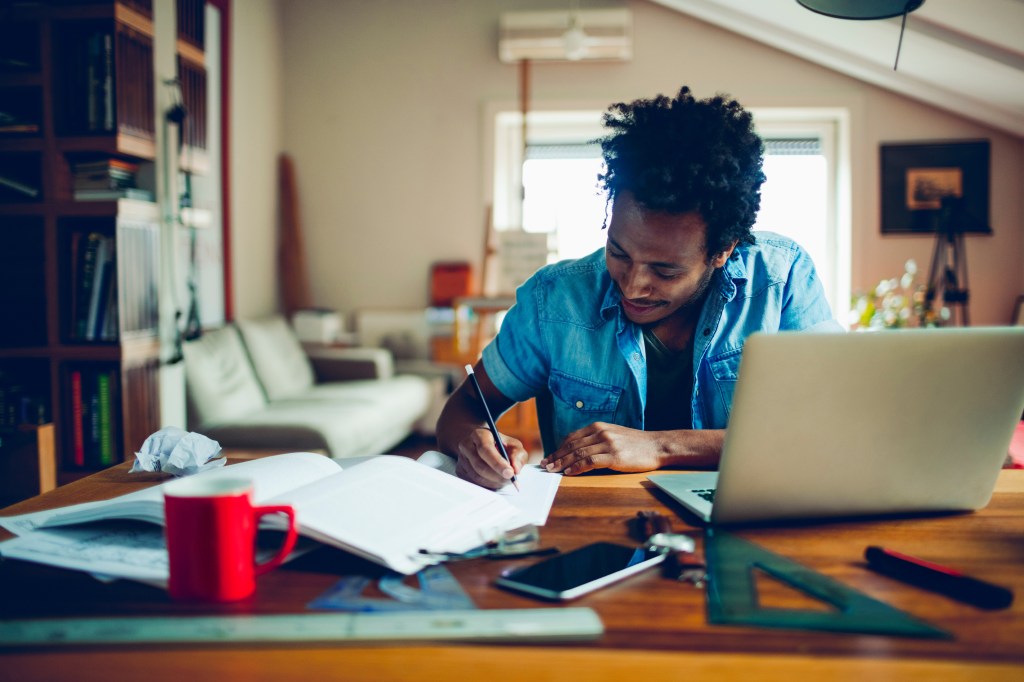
680, 563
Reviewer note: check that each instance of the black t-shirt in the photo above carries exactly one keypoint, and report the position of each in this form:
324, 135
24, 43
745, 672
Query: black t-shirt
669, 385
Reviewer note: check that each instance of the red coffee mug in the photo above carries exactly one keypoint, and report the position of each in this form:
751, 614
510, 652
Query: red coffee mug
211, 538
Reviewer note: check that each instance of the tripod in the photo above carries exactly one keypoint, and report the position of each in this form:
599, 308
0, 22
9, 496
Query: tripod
948, 274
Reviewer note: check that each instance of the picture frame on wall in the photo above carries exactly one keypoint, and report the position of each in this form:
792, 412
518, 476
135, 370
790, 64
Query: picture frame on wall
935, 187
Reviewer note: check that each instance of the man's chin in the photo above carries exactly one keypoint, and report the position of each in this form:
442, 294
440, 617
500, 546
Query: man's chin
648, 317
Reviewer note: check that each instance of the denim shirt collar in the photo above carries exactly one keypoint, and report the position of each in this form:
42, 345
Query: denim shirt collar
734, 270
611, 306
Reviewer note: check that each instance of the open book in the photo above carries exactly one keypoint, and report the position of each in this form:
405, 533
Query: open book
385, 509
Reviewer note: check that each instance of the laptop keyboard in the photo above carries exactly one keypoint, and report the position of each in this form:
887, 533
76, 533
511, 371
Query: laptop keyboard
707, 494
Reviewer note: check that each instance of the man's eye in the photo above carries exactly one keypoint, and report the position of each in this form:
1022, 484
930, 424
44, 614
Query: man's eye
662, 274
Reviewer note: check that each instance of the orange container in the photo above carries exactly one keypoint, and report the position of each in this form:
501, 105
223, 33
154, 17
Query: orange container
449, 281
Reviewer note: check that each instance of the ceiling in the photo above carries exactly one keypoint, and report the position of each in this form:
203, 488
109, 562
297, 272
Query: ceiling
965, 56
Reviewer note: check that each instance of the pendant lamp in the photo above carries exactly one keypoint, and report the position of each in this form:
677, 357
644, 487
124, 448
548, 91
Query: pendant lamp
866, 9
862, 9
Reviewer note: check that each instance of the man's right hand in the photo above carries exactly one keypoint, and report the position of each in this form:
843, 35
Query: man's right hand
481, 462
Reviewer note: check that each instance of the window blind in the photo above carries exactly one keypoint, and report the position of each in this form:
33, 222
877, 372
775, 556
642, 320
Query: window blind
792, 146
580, 150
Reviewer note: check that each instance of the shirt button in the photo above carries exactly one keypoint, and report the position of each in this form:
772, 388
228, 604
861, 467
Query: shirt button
579, 404
636, 356
706, 331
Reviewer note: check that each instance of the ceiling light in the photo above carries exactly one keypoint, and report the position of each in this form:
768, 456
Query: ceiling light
866, 9
862, 9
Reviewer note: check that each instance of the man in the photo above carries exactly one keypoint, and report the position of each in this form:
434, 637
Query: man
632, 351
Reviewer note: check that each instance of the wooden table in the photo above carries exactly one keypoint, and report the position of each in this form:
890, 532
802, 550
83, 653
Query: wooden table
655, 628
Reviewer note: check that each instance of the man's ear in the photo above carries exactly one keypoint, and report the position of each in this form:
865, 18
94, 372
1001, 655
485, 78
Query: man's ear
719, 260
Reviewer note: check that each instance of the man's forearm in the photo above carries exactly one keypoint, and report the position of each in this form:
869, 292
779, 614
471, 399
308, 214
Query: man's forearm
458, 419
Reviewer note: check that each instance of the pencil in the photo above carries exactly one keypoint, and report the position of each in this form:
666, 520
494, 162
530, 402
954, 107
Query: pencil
490, 423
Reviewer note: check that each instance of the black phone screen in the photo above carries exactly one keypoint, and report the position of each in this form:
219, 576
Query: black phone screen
580, 570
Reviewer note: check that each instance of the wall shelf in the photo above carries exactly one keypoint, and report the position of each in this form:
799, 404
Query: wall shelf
82, 278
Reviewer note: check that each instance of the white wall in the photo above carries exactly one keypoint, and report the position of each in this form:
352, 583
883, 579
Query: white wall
381, 104
257, 125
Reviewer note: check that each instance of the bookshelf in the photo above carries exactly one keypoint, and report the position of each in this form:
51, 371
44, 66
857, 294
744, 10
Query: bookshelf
80, 269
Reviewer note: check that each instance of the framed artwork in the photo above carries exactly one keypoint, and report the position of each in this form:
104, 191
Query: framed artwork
935, 187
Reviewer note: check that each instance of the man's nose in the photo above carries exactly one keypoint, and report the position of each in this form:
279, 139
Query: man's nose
636, 283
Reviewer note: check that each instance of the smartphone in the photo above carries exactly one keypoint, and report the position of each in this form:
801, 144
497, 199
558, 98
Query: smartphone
580, 571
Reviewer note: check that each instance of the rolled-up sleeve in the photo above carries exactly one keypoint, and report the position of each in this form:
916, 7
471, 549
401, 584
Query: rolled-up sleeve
517, 360
804, 304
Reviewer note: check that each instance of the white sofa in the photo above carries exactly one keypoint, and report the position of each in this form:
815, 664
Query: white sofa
251, 385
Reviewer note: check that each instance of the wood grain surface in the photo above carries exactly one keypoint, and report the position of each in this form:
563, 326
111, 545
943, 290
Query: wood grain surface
653, 624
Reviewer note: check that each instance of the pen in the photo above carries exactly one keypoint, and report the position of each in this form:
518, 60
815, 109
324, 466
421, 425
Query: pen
937, 578
490, 423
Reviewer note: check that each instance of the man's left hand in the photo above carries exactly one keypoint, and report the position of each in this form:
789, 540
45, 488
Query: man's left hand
607, 446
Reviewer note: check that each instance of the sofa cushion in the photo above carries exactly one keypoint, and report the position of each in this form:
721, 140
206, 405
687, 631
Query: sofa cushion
220, 381
277, 356
348, 419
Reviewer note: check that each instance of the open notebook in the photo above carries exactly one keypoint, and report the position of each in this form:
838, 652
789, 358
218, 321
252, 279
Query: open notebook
894, 422
385, 509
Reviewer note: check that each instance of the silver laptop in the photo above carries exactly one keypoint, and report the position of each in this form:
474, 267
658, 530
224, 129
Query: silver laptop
863, 424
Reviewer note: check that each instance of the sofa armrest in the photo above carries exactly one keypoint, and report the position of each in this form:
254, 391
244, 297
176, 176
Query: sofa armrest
348, 364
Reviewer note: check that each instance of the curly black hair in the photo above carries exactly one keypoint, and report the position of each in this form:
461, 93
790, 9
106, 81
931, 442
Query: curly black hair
683, 154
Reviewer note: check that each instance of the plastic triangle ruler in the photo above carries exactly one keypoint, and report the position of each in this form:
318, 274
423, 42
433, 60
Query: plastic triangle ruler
732, 594
439, 590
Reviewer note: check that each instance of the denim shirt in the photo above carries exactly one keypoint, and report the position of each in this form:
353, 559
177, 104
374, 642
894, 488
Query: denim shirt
567, 342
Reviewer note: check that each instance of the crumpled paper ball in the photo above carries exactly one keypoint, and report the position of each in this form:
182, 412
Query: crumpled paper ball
178, 452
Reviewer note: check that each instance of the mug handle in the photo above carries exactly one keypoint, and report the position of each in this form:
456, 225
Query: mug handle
289, 539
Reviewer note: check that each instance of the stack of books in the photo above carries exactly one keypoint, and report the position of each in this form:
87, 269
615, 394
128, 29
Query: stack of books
93, 397
106, 179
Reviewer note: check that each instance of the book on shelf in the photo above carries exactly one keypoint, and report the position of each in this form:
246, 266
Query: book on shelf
86, 59
77, 433
91, 80
113, 194
18, 186
106, 428
107, 87
94, 293
389, 509
84, 249
91, 417
15, 122
100, 81
106, 304
93, 429
106, 328
103, 264
19, 127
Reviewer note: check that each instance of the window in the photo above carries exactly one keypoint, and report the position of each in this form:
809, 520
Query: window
804, 197
561, 196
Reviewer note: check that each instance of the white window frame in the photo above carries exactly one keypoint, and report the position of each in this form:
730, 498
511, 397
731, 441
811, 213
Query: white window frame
831, 127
